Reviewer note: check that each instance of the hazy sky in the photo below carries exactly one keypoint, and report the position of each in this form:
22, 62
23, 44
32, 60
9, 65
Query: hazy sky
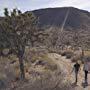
25, 5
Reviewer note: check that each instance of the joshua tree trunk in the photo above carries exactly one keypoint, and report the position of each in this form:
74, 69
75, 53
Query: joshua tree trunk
21, 63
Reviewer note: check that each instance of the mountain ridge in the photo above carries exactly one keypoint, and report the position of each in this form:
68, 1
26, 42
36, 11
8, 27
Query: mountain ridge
77, 18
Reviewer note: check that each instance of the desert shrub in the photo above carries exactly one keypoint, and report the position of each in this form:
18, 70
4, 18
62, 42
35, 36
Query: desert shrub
86, 58
34, 58
32, 54
63, 53
47, 81
39, 56
51, 67
69, 55
49, 63
75, 58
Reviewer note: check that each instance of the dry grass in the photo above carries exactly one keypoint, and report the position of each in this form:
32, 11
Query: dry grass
47, 81
87, 53
50, 64
34, 55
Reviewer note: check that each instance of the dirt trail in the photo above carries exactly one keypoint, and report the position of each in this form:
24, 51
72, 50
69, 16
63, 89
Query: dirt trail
66, 65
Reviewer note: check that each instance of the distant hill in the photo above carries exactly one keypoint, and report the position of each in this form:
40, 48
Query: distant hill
54, 17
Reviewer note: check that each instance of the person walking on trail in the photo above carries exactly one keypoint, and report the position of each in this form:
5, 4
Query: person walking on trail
76, 68
86, 69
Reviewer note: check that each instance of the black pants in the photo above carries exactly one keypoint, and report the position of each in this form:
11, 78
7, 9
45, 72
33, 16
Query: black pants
86, 76
76, 76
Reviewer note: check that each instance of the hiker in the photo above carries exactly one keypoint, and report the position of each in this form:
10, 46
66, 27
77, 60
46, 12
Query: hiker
86, 69
76, 68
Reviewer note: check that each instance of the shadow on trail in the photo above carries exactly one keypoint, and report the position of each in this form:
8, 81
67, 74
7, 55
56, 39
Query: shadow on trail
74, 84
84, 85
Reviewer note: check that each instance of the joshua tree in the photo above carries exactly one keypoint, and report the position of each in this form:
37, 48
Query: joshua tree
18, 29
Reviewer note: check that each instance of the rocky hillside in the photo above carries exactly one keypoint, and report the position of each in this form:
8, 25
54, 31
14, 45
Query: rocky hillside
55, 16
76, 28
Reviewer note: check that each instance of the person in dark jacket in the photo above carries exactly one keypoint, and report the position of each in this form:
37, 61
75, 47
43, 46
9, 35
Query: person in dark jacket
76, 68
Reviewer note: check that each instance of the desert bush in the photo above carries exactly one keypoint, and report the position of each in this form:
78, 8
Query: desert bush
50, 79
86, 58
63, 53
32, 54
39, 56
46, 62
51, 67
69, 55
47, 81
75, 58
